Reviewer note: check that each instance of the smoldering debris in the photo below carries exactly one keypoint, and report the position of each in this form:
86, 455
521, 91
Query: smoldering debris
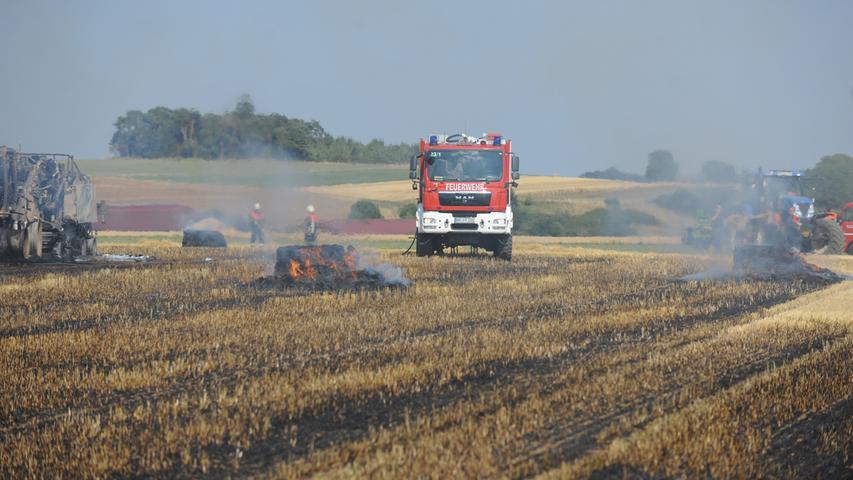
773, 261
765, 262
331, 268
203, 238
111, 257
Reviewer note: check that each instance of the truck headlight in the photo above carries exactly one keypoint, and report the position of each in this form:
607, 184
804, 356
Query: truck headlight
499, 221
429, 220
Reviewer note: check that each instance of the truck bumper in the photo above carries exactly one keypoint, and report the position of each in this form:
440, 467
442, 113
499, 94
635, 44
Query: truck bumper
488, 223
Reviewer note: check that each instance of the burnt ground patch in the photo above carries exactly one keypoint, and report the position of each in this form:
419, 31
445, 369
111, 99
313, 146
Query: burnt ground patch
334, 420
345, 420
816, 445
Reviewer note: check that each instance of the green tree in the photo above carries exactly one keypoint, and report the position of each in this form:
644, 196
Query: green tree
830, 182
241, 133
661, 166
718, 171
245, 106
187, 121
364, 209
131, 129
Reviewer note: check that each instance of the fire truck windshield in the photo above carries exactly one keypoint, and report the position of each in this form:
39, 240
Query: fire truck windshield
464, 165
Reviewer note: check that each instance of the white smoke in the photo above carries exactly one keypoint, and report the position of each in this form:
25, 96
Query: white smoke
390, 274
718, 269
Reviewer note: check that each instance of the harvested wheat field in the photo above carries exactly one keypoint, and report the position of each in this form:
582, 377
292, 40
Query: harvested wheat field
565, 363
399, 191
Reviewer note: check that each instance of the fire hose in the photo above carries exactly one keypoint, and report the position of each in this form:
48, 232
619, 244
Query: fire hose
409, 250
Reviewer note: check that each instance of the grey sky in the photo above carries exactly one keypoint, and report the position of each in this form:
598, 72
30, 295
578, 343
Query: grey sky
577, 85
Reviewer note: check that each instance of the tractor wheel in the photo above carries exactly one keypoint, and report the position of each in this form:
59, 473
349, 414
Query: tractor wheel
828, 237
31, 242
423, 245
503, 249
88, 247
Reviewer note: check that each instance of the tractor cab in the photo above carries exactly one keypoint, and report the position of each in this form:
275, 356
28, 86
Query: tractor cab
782, 191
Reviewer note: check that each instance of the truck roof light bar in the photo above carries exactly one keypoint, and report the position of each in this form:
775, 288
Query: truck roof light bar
784, 173
491, 139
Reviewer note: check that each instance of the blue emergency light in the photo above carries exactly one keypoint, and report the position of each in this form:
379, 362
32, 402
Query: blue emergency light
433, 139
497, 140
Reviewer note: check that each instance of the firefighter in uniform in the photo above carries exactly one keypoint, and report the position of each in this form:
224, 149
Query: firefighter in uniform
311, 226
256, 223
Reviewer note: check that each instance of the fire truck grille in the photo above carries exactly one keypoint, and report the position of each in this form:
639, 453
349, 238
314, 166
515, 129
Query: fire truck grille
470, 199
463, 226
463, 214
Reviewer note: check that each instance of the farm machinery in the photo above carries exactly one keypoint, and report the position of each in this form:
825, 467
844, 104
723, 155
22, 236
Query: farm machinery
48, 206
464, 192
772, 241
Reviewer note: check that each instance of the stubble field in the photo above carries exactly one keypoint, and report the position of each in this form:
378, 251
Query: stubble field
565, 363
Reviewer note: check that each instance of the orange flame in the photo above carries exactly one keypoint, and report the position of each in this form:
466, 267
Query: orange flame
313, 260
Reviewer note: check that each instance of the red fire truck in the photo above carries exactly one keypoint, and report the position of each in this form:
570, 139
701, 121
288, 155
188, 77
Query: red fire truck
464, 186
847, 226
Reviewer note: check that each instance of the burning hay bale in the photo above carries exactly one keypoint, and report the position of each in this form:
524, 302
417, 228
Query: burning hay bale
773, 261
331, 267
203, 238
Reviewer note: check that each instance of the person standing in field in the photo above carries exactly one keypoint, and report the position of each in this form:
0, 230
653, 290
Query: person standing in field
256, 224
311, 226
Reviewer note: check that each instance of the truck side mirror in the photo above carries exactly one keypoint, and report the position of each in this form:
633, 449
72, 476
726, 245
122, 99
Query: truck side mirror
515, 165
413, 167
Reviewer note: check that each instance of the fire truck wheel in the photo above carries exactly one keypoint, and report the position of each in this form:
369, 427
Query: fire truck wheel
424, 245
503, 249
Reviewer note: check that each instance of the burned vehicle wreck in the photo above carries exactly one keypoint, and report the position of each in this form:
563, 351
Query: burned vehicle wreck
48, 207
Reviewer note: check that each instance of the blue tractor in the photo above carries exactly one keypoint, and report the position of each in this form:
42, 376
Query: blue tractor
787, 218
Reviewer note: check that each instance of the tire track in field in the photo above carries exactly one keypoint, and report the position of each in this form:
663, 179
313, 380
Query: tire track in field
564, 442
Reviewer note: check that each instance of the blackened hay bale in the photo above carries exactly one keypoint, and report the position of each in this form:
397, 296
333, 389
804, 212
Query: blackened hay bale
204, 238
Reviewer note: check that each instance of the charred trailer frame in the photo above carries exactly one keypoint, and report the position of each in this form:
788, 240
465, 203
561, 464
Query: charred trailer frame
47, 206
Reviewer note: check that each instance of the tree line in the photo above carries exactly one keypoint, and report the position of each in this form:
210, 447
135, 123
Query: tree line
661, 167
830, 182
241, 133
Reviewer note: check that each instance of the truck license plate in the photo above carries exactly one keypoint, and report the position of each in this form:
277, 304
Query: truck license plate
464, 220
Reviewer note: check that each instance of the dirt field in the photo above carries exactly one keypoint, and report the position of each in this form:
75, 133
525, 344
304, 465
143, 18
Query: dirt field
401, 191
231, 187
259, 173
566, 363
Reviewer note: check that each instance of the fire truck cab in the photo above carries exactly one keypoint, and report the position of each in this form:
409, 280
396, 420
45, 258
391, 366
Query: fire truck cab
464, 186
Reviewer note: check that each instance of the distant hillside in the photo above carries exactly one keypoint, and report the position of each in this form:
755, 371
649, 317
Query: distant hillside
613, 173
162, 132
